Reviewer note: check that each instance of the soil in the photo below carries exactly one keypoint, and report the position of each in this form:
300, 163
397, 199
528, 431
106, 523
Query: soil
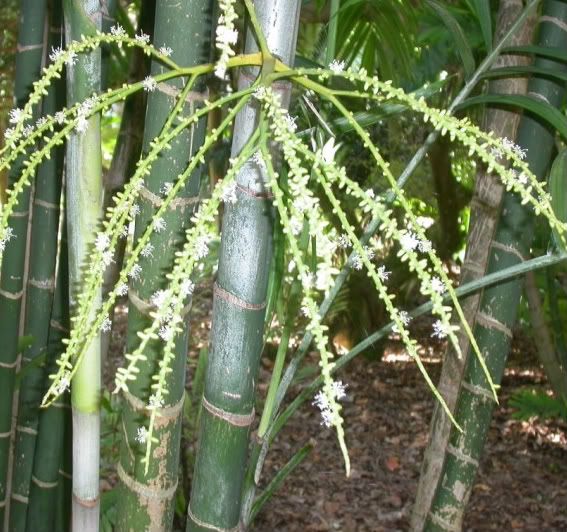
521, 485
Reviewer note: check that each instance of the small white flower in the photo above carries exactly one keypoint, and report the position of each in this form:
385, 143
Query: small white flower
135, 210
404, 318
107, 258
118, 31
122, 289
106, 324
229, 194
439, 330
147, 250
142, 38
141, 435
343, 242
165, 188
305, 311
71, 58
409, 241
321, 400
296, 225
16, 116
290, 121
339, 390
64, 383
9, 133
149, 84
159, 225
82, 124
41, 122
383, 274
155, 401
55, 54
135, 272
159, 298
202, 247
370, 193
424, 246
165, 51
357, 262
27, 131
337, 66
187, 287
102, 242
59, 117
260, 92
437, 285
166, 333
327, 418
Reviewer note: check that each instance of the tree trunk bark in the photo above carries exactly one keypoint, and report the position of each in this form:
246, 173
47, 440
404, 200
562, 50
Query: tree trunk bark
484, 216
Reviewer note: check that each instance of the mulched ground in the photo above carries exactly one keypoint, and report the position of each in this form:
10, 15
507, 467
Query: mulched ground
522, 484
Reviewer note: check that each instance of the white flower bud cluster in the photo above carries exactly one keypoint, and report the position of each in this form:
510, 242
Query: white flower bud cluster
226, 35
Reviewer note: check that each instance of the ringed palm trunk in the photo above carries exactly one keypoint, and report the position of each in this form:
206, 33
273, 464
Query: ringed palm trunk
53, 436
147, 499
239, 307
28, 67
84, 210
39, 299
485, 207
499, 304
127, 150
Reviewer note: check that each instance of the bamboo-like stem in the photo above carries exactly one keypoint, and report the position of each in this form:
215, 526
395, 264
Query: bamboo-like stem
498, 306
127, 151
239, 303
84, 210
148, 489
485, 206
28, 67
53, 434
39, 298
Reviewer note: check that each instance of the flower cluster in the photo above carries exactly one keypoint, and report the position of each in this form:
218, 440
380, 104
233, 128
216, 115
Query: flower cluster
321, 401
226, 36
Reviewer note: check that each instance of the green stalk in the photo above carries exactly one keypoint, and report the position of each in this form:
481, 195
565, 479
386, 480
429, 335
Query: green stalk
39, 299
485, 206
28, 67
53, 435
84, 210
147, 490
498, 306
239, 303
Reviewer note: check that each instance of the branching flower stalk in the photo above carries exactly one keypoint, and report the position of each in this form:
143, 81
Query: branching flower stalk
333, 408
123, 210
283, 132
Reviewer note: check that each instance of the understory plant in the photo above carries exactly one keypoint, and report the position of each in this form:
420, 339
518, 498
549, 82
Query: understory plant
276, 182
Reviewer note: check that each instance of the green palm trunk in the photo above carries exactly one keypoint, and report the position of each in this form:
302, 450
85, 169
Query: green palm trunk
28, 67
147, 498
39, 297
484, 219
127, 150
239, 308
499, 304
84, 210
53, 435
